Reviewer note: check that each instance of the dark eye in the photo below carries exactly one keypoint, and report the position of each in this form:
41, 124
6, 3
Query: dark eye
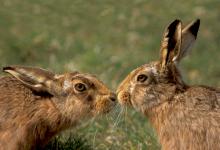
80, 87
142, 78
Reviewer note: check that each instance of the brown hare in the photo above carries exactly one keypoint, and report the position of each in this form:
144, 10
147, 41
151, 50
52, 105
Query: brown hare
184, 117
36, 104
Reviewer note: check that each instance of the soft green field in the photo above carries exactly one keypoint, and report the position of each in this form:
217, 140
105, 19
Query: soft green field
108, 38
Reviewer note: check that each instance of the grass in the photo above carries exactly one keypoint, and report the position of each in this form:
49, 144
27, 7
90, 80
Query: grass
67, 142
108, 38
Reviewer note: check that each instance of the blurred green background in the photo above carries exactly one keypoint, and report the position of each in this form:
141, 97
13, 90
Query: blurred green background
108, 38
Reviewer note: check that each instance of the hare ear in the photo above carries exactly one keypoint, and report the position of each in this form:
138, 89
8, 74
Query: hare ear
171, 43
189, 34
35, 78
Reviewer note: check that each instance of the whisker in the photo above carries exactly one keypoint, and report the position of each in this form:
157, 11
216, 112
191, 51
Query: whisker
118, 119
115, 110
125, 118
94, 139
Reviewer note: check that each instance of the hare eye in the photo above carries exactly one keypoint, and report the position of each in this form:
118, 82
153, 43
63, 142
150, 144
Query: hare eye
80, 87
142, 78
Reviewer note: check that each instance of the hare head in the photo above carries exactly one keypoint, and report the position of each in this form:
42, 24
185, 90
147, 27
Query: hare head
151, 84
36, 104
75, 95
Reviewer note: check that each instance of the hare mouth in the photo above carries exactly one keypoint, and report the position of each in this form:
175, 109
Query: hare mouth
124, 98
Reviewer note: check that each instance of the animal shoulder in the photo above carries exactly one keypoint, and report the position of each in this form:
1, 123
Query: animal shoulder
200, 98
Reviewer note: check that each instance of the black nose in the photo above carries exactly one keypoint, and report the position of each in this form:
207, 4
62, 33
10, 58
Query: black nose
112, 97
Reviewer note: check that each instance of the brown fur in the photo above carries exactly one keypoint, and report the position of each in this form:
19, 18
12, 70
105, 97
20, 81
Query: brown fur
36, 104
185, 117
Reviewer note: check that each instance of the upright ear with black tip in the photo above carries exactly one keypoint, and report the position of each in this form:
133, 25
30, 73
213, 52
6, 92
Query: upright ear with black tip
36, 78
177, 41
171, 43
189, 35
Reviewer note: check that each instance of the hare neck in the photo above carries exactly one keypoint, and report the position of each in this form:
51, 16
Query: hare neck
164, 116
51, 123
166, 102
41, 125
158, 115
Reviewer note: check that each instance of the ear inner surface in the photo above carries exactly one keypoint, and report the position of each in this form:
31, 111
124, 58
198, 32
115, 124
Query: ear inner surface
193, 27
189, 35
171, 42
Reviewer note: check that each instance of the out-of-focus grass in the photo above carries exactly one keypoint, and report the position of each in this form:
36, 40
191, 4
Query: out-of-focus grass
67, 141
108, 38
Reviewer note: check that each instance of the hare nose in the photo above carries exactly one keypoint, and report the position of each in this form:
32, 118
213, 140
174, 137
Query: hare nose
112, 97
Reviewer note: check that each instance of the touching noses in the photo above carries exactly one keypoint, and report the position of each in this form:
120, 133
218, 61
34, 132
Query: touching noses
112, 97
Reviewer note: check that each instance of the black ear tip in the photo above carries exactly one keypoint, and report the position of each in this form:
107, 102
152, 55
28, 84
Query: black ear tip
195, 27
172, 28
7, 68
198, 20
175, 22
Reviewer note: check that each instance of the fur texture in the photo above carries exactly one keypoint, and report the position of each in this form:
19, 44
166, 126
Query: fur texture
184, 117
36, 104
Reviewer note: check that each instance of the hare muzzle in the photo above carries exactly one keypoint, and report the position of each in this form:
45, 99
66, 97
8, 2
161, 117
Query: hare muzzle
124, 98
105, 104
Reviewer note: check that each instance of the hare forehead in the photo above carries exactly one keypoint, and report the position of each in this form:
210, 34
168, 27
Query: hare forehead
152, 69
142, 69
66, 84
149, 68
92, 79
70, 80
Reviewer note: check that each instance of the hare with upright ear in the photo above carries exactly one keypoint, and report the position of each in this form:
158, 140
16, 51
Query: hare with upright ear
36, 104
184, 117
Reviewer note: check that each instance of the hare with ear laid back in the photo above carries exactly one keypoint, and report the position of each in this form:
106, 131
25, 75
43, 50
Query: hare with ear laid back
36, 104
184, 117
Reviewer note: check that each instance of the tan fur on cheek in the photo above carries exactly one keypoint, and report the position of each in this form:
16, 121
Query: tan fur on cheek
69, 110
